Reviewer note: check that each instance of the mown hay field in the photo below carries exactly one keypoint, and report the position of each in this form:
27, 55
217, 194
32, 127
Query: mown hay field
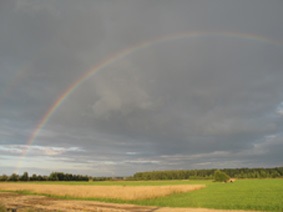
105, 192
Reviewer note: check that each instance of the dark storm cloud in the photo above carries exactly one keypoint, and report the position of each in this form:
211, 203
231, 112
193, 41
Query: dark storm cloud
187, 103
217, 100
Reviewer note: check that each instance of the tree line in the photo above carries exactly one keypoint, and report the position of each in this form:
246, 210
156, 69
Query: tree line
196, 174
54, 176
209, 174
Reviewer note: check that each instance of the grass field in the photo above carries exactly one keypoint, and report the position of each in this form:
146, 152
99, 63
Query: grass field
263, 195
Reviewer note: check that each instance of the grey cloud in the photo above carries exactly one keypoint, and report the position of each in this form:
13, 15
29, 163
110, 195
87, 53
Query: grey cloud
199, 100
210, 107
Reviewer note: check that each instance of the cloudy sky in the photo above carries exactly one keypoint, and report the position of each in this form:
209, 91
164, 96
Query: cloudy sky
171, 85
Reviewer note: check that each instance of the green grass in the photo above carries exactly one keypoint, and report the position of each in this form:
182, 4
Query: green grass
263, 195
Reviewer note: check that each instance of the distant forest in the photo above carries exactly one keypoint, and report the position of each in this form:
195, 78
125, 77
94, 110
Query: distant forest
196, 174
209, 174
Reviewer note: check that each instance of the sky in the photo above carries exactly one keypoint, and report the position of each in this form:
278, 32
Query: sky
114, 87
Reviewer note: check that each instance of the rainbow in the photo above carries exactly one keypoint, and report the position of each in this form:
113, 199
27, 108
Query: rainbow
126, 52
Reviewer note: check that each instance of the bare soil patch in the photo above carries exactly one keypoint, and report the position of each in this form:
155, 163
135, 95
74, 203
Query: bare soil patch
24, 203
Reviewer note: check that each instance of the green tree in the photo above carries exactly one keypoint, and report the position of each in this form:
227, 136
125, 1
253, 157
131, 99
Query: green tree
220, 176
33, 177
14, 177
24, 177
53, 177
4, 178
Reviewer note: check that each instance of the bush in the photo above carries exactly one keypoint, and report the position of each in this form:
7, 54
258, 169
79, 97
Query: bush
220, 176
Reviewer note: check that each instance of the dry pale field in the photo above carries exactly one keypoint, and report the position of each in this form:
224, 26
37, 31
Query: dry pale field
85, 191
24, 203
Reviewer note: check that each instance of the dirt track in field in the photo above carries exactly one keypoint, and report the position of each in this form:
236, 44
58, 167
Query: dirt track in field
23, 203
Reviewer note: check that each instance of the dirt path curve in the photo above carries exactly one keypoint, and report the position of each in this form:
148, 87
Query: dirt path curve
40, 203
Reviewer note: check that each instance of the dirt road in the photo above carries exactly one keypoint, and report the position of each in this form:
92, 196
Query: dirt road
24, 203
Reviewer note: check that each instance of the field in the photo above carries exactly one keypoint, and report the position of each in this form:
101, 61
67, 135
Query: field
112, 192
261, 195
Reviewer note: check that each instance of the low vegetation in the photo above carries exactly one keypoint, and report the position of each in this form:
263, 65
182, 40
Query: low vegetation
248, 194
162, 188
256, 194
105, 192
2, 208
